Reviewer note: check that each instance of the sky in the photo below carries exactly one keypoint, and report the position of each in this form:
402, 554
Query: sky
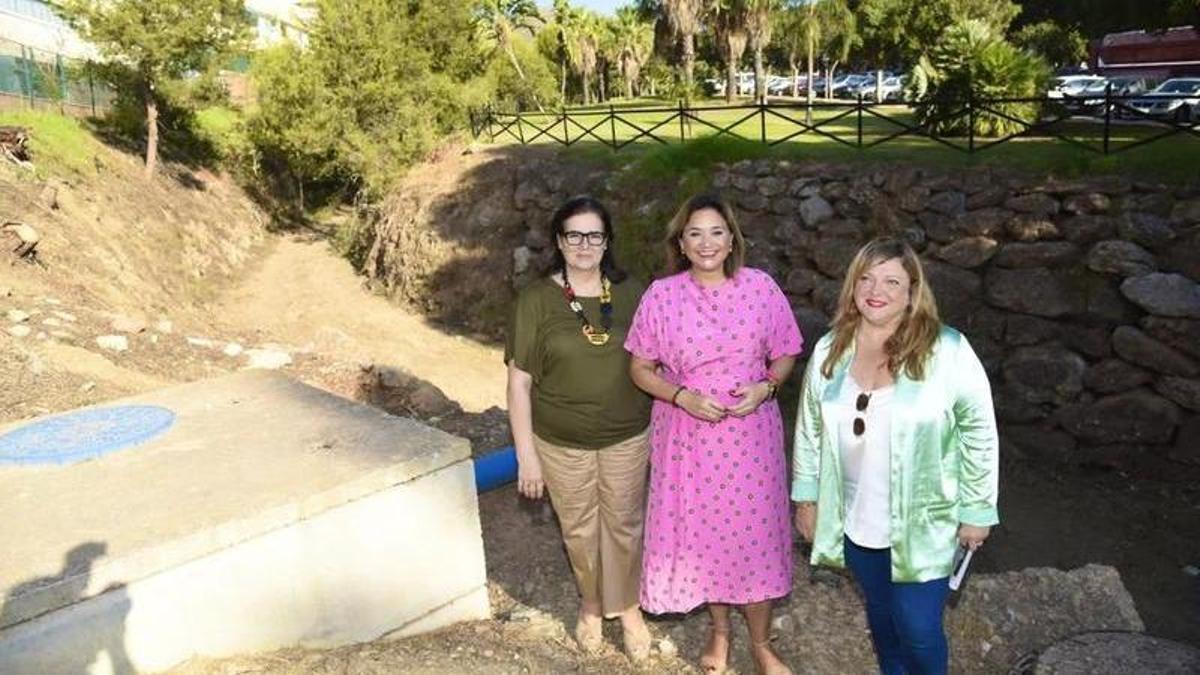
602, 6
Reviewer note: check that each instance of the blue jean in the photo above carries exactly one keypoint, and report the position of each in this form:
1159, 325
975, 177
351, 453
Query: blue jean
905, 618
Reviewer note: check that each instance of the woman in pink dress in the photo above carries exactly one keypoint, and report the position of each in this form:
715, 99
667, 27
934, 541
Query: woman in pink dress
711, 342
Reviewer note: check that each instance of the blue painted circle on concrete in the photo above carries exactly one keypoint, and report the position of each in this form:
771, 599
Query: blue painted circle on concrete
85, 434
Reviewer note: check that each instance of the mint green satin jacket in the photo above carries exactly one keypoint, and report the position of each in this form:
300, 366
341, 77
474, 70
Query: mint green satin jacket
944, 458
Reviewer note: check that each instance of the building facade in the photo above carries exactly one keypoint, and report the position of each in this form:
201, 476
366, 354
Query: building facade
32, 24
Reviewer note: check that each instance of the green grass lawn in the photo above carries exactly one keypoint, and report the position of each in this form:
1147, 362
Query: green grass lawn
843, 134
58, 143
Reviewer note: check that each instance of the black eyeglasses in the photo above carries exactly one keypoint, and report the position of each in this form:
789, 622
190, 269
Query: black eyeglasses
577, 238
860, 404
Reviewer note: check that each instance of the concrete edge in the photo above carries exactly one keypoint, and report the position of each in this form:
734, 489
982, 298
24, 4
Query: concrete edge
144, 563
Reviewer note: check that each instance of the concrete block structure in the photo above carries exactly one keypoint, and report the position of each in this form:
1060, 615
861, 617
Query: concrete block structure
270, 514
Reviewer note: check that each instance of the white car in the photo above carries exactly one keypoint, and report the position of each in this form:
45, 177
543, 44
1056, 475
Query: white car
1071, 85
782, 86
892, 89
846, 86
745, 84
1177, 99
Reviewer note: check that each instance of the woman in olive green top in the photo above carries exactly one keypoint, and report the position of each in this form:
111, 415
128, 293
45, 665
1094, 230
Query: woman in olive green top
578, 421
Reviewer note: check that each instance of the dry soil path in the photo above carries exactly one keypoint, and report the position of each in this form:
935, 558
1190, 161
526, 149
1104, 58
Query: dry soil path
304, 292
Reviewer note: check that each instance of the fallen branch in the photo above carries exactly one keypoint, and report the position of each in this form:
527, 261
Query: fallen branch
14, 144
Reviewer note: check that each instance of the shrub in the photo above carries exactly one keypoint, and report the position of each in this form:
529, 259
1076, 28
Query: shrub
379, 85
972, 60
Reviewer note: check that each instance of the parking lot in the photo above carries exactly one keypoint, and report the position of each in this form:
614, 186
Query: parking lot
1121, 99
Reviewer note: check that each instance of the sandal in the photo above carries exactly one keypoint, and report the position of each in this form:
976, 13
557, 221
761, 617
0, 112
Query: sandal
778, 668
710, 663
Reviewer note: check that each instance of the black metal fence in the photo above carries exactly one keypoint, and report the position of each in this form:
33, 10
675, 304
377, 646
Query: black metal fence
1117, 123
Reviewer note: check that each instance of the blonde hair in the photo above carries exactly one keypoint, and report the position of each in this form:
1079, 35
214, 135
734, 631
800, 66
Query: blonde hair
909, 347
677, 261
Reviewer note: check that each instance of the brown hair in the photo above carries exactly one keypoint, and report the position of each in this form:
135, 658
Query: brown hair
676, 260
909, 347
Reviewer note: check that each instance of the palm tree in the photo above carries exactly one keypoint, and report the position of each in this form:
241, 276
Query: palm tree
791, 32
632, 41
683, 19
566, 18
728, 20
841, 37
587, 47
810, 28
759, 17
497, 21
606, 54
827, 27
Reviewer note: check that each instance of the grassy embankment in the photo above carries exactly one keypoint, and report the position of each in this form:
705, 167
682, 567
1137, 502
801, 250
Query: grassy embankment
62, 144
59, 145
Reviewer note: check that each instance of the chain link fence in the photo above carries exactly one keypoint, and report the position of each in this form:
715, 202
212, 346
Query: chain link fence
34, 78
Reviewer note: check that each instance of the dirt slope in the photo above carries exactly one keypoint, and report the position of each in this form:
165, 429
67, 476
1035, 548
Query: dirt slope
302, 291
182, 271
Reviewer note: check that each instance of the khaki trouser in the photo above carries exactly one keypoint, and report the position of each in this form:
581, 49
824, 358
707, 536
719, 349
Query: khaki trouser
600, 499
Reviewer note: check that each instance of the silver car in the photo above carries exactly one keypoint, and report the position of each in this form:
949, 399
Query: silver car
1091, 100
1067, 86
1177, 99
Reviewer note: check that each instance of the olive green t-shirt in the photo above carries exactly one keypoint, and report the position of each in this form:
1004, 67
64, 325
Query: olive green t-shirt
582, 394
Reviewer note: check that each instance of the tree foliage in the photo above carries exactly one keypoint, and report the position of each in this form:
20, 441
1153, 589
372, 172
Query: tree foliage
1095, 18
900, 31
377, 87
1058, 44
497, 23
973, 61
683, 19
759, 22
157, 40
567, 19
633, 44
728, 19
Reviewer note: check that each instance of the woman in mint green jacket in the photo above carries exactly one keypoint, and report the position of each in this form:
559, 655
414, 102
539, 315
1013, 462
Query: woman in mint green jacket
896, 453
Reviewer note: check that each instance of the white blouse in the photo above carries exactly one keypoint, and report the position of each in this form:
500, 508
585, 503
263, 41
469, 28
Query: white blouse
866, 465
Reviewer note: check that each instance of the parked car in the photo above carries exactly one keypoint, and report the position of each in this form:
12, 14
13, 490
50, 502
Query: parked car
866, 85
782, 86
892, 89
746, 84
1070, 86
1177, 98
846, 86
1091, 99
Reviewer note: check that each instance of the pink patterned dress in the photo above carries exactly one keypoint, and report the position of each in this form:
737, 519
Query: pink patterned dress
717, 523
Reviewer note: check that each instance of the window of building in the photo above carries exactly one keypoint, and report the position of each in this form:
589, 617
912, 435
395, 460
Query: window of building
33, 9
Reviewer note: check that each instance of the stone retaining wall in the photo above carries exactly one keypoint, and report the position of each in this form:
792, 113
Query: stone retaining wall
1080, 296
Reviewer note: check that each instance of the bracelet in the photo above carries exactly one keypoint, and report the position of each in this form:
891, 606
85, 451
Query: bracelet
675, 396
772, 388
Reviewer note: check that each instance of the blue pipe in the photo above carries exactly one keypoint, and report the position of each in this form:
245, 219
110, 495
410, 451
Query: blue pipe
495, 468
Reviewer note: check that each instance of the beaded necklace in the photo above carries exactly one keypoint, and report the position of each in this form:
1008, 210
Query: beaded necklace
596, 336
